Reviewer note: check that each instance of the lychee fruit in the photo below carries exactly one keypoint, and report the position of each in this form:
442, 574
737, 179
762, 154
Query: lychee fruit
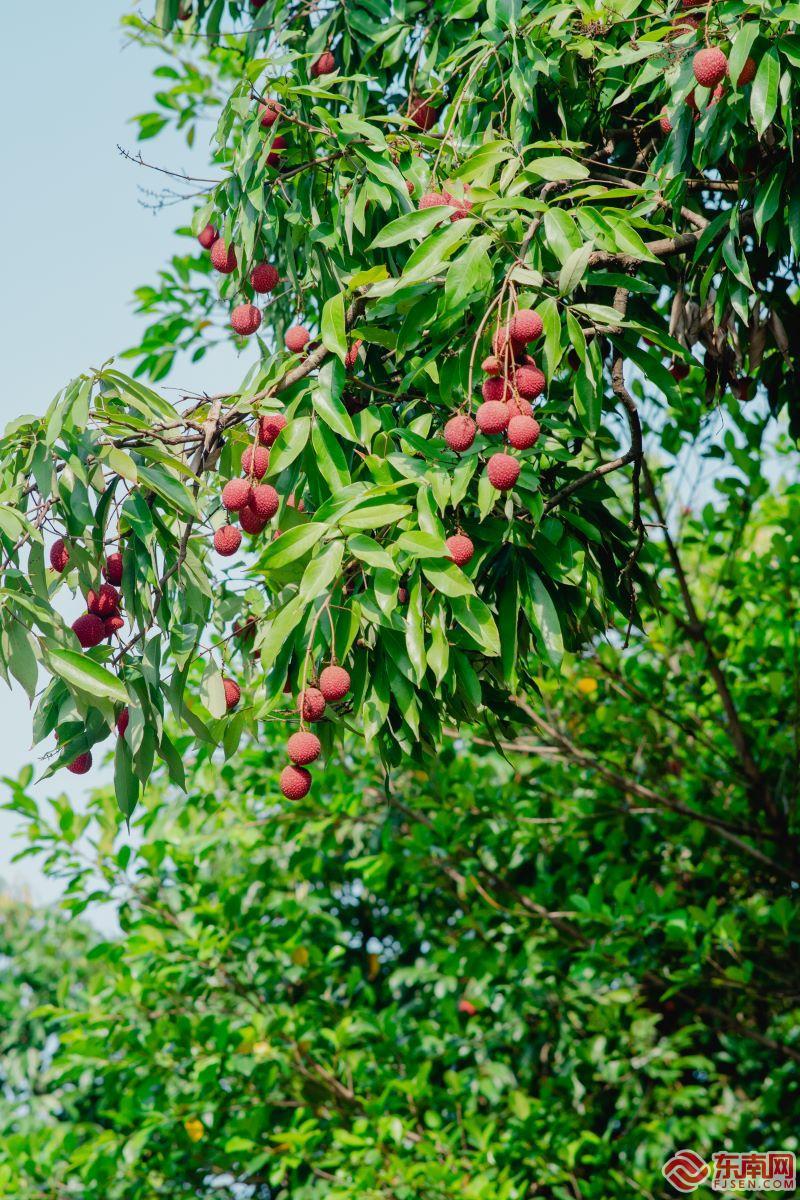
113, 569
492, 417
295, 782
297, 338
422, 113
245, 319
467, 1007
236, 494
303, 748
227, 540
250, 521
255, 461
459, 433
311, 704
461, 204
81, 764
525, 326
270, 111
495, 389
351, 357
710, 66
324, 65
492, 365
402, 595
104, 602
529, 382
502, 471
502, 342
264, 501
270, 426
89, 630
264, 277
206, 237
461, 549
276, 149
747, 73
523, 432
432, 200
518, 406
59, 555
112, 625
222, 258
122, 722
233, 693
664, 122
291, 502
334, 683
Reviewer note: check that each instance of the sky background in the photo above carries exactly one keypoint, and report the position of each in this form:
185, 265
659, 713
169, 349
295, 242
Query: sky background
77, 241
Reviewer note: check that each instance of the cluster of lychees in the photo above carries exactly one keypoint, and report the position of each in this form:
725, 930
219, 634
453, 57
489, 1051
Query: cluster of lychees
253, 502
710, 66
304, 747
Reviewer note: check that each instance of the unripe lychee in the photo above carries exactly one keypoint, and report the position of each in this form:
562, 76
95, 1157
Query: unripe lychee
529, 382
351, 357
270, 111
227, 540
206, 237
81, 764
264, 277
222, 258
236, 494
422, 113
113, 569
747, 73
277, 147
112, 625
269, 426
250, 521
432, 200
245, 319
710, 66
303, 748
503, 471
525, 326
233, 693
104, 602
59, 555
255, 461
523, 432
89, 630
461, 549
311, 704
122, 722
334, 683
297, 338
324, 65
492, 417
459, 433
495, 389
295, 782
264, 501
492, 365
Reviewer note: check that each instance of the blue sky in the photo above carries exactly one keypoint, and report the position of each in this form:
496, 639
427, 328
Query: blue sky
76, 241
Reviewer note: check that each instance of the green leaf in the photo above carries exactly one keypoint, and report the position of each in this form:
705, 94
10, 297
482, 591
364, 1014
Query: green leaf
410, 225
332, 326
475, 619
367, 550
764, 96
291, 545
169, 488
126, 784
448, 579
290, 442
321, 571
422, 545
546, 617
557, 167
330, 460
82, 673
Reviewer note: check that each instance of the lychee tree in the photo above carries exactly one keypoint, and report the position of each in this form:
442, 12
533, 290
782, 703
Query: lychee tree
469, 247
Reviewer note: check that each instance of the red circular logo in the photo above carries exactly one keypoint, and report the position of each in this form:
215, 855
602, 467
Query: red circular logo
685, 1170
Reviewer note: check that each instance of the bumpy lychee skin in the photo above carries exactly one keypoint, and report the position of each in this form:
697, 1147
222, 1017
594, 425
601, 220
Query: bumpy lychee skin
297, 338
264, 277
122, 722
81, 764
495, 389
245, 319
459, 433
295, 782
523, 432
270, 111
503, 472
432, 200
89, 630
710, 67
518, 406
529, 382
461, 204
492, 365
492, 417
461, 549
269, 427
303, 748
525, 326
311, 704
112, 625
422, 113
747, 73
104, 602
59, 555
664, 122
223, 259
334, 683
324, 65
113, 569
351, 357
206, 237
255, 461
265, 501
277, 147
233, 693
503, 343
227, 540
250, 521
236, 494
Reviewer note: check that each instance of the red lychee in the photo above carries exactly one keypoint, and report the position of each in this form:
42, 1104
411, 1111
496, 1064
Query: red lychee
495, 389
270, 111
89, 630
265, 501
402, 595
492, 417
525, 326
264, 277
250, 521
303, 748
291, 502
112, 625
206, 237
467, 1007
492, 365
459, 432
518, 406
432, 200
233, 693
523, 432
422, 113
747, 73
113, 569
59, 555
324, 65
664, 122
502, 343
529, 382
276, 149
269, 427
710, 66
461, 549
122, 722
297, 338
311, 704
236, 494
295, 782
334, 683
351, 357
227, 540
245, 319
222, 258
81, 764
255, 461
503, 471
104, 602
461, 204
